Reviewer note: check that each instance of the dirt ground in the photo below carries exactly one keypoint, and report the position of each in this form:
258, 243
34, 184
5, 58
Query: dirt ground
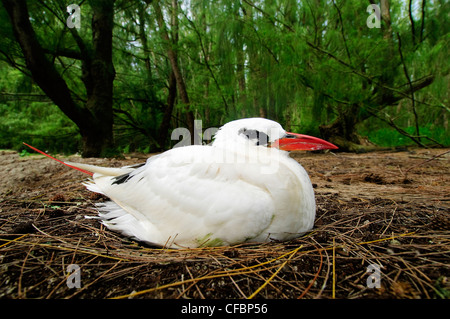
387, 212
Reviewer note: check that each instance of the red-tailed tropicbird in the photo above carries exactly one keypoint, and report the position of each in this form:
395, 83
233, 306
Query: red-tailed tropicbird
243, 187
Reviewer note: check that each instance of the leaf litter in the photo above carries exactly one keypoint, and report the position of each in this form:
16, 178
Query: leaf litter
389, 209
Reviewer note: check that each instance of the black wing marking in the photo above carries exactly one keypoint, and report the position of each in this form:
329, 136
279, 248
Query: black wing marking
126, 177
121, 179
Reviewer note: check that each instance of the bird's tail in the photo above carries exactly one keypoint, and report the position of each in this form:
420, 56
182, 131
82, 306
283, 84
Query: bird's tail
90, 169
71, 165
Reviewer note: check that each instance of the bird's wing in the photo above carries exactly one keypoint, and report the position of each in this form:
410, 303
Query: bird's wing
189, 196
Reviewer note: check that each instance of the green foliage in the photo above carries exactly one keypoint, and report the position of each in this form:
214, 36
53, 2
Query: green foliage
302, 63
40, 124
388, 137
24, 153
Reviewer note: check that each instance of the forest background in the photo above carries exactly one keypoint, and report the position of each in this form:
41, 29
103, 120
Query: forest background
109, 77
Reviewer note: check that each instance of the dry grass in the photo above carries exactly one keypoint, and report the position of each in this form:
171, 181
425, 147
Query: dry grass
43, 231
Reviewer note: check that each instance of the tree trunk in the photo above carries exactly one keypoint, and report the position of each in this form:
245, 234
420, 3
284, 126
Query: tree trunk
240, 70
143, 38
165, 124
95, 118
100, 101
342, 131
172, 55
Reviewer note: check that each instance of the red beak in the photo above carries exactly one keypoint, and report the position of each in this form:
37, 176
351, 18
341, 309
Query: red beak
300, 142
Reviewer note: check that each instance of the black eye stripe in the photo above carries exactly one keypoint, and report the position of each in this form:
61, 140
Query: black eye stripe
262, 138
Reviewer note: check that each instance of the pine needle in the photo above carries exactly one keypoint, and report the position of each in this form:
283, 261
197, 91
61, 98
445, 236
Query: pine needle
292, 253
11, 241
333, 291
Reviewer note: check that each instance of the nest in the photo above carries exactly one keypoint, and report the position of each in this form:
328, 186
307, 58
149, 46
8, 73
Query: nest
42, 232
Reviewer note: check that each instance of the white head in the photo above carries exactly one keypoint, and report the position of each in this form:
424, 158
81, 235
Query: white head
256, 131
261, 132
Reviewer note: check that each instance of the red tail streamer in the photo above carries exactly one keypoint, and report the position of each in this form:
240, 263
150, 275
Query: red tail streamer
74, 167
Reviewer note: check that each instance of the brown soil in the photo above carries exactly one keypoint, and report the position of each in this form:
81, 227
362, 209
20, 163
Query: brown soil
385, 208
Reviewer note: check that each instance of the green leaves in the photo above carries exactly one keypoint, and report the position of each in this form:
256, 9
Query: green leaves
299, 62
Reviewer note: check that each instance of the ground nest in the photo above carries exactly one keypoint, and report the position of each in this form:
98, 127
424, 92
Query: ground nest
382, 230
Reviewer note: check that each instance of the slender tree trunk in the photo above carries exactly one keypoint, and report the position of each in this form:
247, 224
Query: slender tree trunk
143, 38
422, 25
411, 20
181, 86
240, 74
240, 71
165, 124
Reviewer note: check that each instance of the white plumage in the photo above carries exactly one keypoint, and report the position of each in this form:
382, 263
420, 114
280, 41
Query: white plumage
239, 189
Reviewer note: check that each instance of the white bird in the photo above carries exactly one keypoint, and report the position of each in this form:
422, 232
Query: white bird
243, 187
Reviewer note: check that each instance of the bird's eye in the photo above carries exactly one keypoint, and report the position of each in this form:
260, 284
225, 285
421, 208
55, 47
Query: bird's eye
260, 137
